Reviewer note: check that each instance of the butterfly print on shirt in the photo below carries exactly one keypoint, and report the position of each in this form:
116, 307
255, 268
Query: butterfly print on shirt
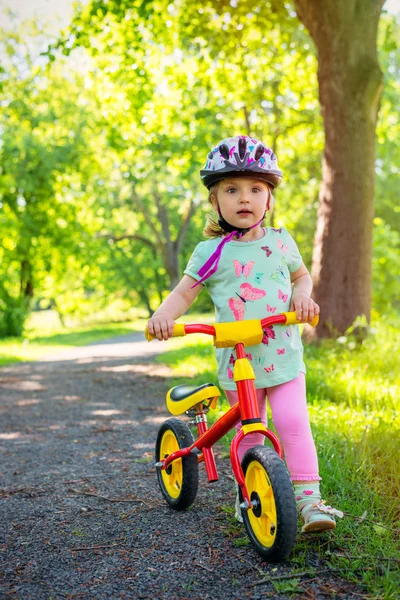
267, 251
268, 334
247, 294
232, 358
281, 245
279, 275
257, 278
282, 296
269, 369
243, 268
259, 360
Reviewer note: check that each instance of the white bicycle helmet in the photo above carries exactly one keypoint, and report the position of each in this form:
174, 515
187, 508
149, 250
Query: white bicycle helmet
241, 156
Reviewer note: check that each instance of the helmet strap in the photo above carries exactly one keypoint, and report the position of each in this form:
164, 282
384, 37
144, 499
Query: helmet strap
211, 265
240, 231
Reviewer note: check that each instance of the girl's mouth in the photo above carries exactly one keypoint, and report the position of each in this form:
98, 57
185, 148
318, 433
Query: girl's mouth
244, 212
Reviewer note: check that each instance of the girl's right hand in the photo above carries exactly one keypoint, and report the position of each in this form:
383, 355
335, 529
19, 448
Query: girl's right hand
161, 326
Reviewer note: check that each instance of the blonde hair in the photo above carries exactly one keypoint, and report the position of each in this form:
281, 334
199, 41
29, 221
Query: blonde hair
212, 228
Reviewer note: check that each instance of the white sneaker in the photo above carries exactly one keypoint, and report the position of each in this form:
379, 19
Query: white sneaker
319, 517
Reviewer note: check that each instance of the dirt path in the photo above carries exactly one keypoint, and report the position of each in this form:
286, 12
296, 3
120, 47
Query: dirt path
77, 431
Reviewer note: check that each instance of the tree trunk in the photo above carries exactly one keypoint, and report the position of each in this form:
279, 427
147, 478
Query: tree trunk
173, 267
143, 295
350, 86
26, 282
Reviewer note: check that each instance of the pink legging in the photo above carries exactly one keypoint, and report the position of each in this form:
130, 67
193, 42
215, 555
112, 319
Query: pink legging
290, 416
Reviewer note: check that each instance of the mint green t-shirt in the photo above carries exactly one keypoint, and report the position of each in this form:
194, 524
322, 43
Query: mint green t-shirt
253, 281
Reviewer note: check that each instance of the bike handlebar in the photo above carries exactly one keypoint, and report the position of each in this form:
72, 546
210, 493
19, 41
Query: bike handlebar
286, 318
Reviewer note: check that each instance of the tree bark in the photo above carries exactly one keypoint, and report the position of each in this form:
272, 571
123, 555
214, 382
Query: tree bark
26, 282
168, 248
350, 87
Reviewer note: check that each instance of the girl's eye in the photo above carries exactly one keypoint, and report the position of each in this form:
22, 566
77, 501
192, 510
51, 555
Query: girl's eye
256, 189
229, 190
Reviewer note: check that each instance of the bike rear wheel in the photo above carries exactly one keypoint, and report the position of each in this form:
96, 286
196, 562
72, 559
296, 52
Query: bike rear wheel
179, 482
271, 523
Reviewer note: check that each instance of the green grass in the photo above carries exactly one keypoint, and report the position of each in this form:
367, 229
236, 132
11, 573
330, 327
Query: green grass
353, 395
353, 391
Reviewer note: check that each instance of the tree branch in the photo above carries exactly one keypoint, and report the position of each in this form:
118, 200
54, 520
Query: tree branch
146, 216
185, 224
135, 236
162, 214
247, 120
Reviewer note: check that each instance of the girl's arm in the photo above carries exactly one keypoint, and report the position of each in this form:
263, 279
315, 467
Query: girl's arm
301, 302
174, 306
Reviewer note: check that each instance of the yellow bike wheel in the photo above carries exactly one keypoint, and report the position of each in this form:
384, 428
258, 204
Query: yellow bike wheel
271, 522
179, 482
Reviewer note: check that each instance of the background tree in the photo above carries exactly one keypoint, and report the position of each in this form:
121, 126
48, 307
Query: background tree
211, 74
112, 134
350, 87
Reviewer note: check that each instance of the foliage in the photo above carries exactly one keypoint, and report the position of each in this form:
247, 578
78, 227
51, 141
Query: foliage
386, 267
102, 138
46, 152
388, 130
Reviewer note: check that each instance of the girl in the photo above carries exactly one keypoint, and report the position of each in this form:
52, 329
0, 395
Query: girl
251, 271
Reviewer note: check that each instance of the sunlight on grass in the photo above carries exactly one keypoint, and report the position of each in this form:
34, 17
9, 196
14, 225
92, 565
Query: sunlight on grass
191, 356
363, 375
353, 396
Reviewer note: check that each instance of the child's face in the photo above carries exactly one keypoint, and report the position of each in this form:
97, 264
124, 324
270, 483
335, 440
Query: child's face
243, 201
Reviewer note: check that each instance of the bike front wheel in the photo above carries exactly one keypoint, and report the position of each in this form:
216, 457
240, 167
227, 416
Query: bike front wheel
271, 522
179, 482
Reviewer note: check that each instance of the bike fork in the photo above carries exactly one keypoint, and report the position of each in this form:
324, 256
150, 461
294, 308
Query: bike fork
207, 454
237, 467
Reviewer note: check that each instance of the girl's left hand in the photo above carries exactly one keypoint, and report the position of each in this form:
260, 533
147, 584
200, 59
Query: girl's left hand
305, 307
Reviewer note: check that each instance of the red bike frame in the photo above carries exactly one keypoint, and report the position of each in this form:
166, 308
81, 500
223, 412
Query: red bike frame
246, 410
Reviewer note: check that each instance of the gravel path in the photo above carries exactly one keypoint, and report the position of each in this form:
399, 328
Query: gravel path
81, 512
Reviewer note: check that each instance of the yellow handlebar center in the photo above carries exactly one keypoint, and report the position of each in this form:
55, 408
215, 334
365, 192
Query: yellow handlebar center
228, 335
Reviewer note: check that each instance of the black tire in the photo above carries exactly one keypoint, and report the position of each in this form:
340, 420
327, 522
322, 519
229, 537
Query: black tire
178, 483
269, 484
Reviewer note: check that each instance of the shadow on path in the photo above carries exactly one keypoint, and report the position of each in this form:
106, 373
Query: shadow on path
81, 512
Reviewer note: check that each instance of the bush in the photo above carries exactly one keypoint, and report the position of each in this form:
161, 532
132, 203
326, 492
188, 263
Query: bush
386, 268
13, 313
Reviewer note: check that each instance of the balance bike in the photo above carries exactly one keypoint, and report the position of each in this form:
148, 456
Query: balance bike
266, 493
